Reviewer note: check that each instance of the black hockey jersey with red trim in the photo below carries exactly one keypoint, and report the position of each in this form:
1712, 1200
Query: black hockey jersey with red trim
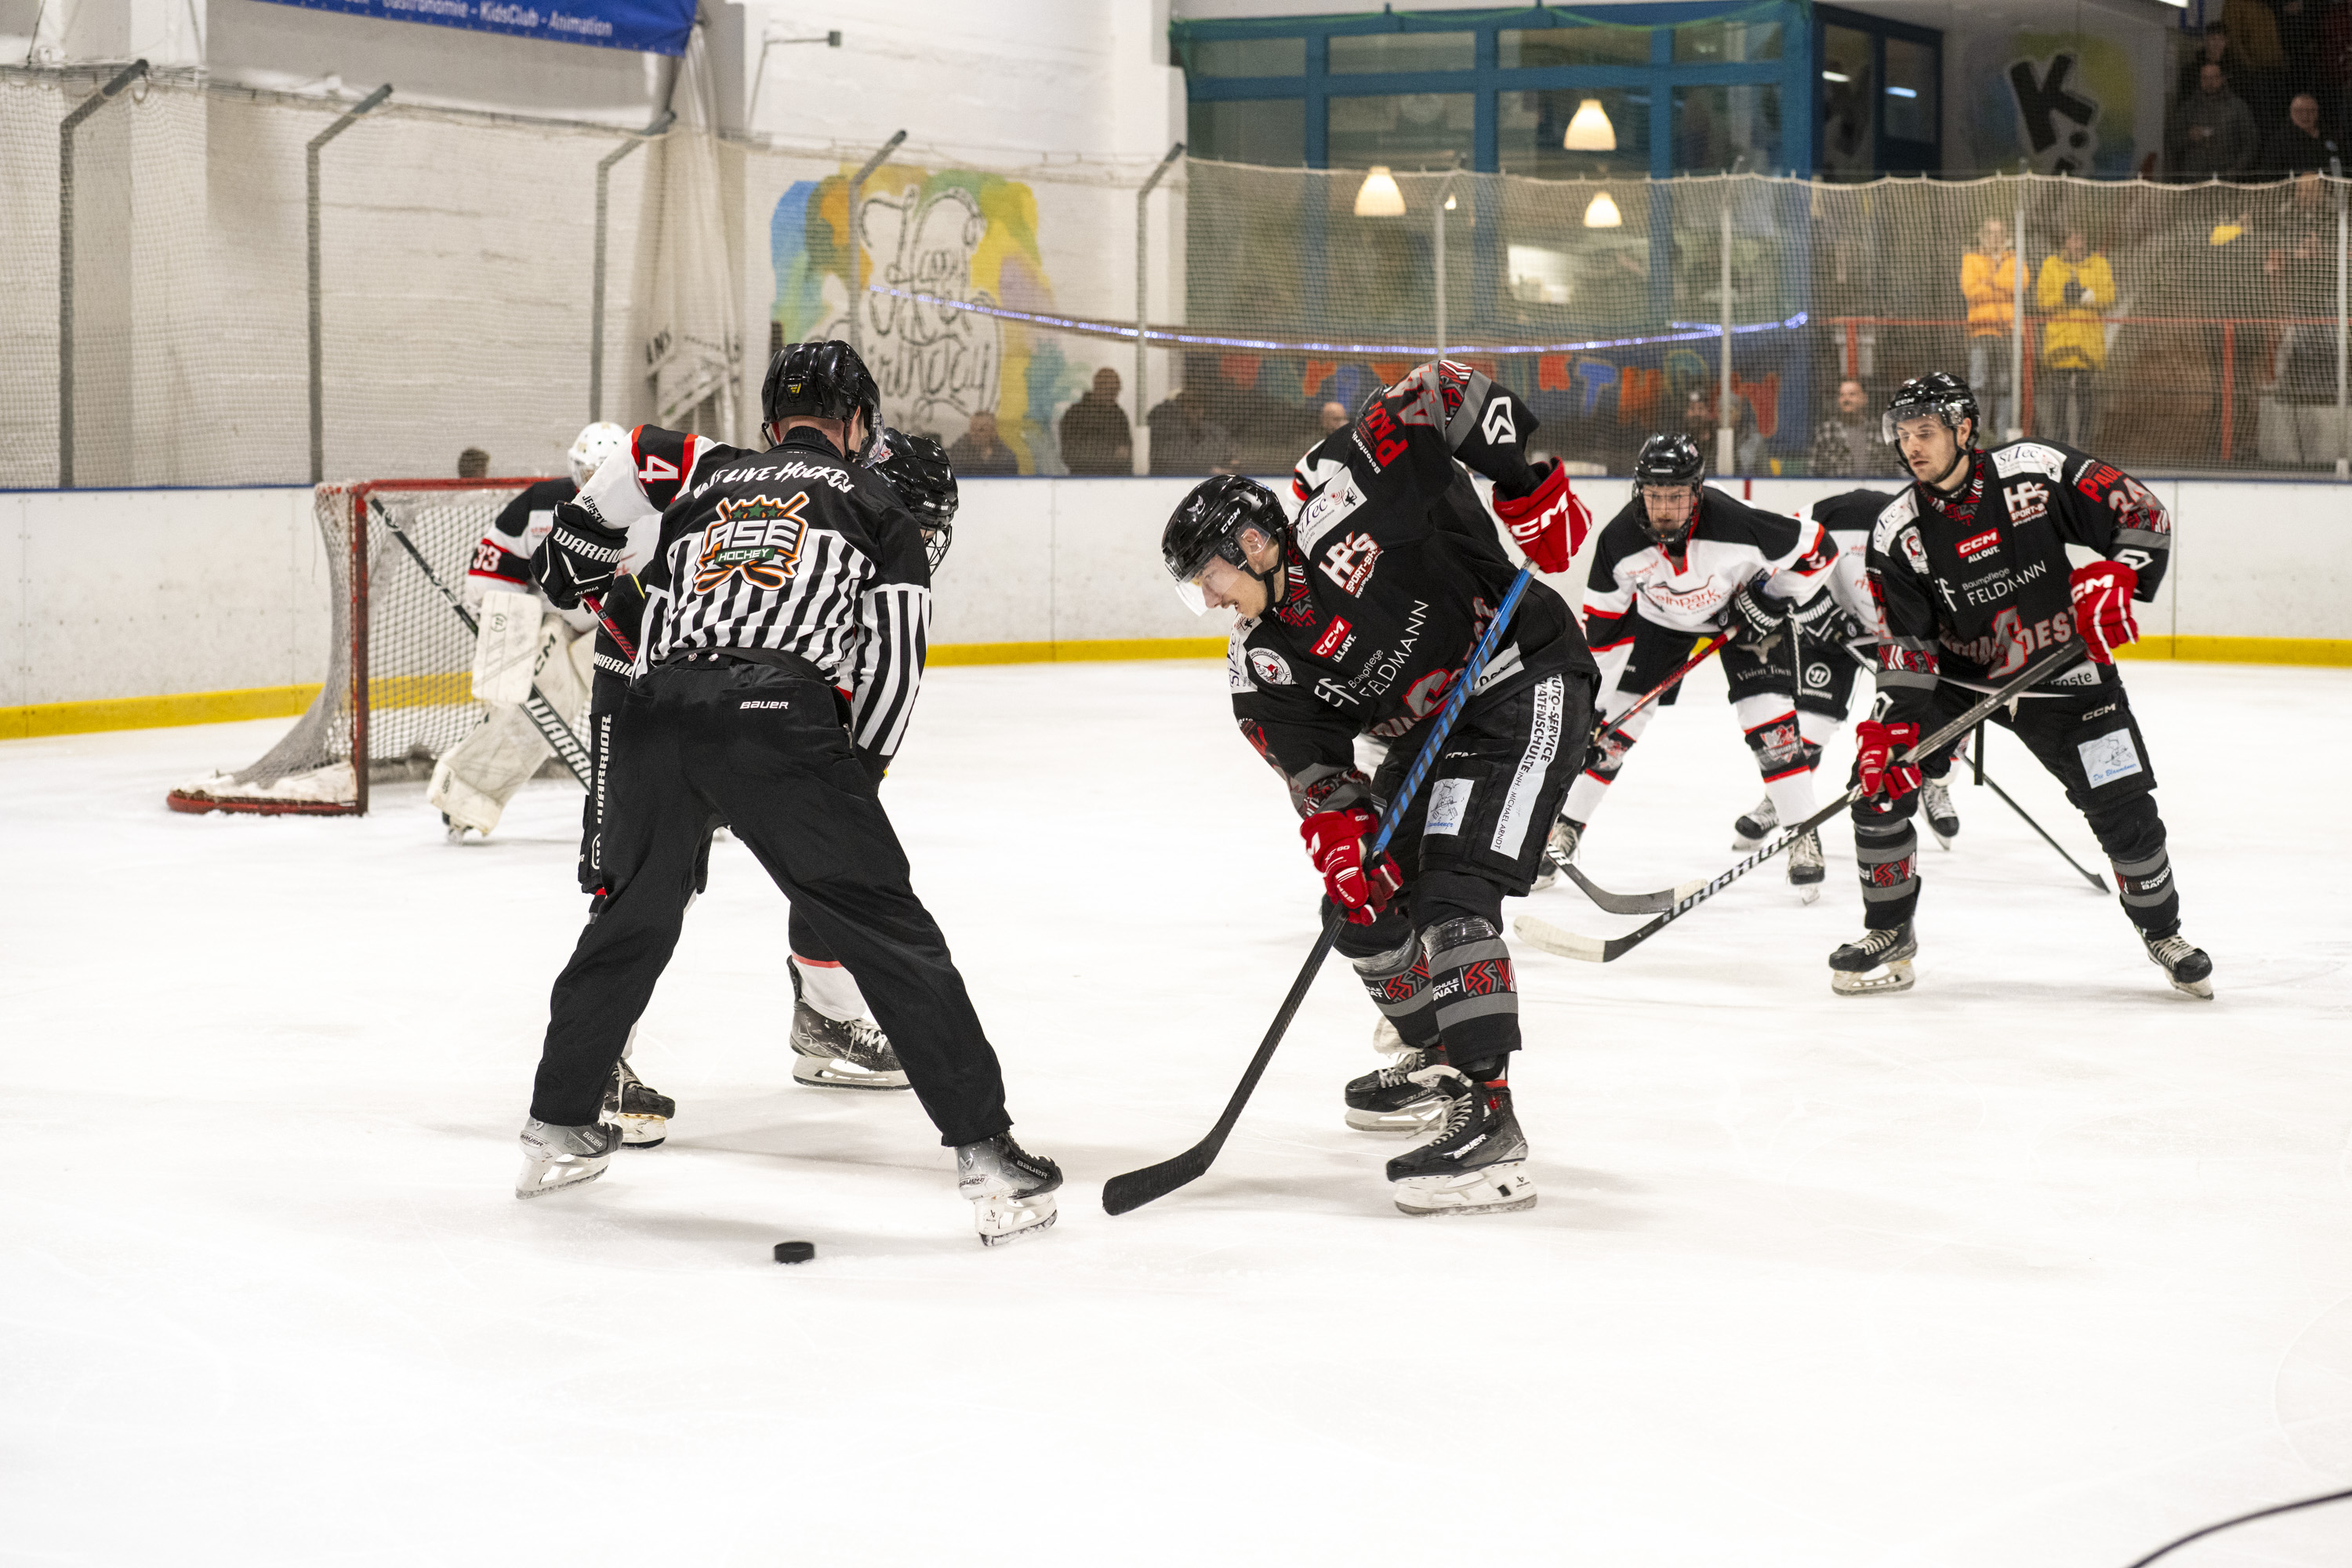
1392, 573
1974, 585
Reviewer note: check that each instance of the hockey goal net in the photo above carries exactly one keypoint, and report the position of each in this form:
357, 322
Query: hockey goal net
396, 690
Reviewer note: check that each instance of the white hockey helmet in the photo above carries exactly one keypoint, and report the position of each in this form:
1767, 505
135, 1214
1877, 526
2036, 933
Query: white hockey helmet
596, 443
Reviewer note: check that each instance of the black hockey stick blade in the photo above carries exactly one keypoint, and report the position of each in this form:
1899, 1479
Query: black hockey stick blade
1136, 1188
1628, 903
1541, 933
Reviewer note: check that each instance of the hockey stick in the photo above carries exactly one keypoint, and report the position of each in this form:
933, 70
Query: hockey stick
620, 638
2097, 881
1568, 944
1642, 903
1136, 1188
549, 722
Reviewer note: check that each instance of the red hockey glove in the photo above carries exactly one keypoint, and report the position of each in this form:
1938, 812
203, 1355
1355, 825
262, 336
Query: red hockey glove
1335, 842
1549, 521
2103, 607
1874, 748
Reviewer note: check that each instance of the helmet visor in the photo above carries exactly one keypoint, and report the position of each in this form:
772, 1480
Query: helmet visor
1190, 594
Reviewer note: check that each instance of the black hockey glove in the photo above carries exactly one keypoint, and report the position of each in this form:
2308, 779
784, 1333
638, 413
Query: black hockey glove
1753, 621
578, 554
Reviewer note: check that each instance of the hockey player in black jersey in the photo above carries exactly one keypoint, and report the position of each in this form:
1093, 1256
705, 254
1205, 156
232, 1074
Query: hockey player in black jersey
787, 603
1970, 571
1356, 620
1681, 563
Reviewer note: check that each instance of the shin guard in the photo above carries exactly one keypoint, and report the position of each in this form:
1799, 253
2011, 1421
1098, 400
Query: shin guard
1472, 992
1397, 982
1886, 854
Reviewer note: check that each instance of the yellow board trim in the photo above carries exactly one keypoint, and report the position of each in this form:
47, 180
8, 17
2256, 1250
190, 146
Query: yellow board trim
404, 692
2243, 650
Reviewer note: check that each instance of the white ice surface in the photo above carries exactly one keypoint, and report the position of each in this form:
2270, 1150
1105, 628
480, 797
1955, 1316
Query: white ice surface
2039, 1265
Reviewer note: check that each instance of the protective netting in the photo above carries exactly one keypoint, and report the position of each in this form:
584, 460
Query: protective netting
404, 692
2183, 328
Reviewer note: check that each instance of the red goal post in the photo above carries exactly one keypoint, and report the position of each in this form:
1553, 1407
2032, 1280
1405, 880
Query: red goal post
395, 691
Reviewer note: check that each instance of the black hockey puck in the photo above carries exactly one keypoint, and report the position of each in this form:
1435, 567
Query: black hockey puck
796, 1251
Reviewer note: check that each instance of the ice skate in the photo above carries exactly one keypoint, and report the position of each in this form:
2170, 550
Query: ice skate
2190, 972
1935, 806
1387, 1041
1011, 1190
1546, 874
1566, 835
1477, 1161
554, 1157
1392, 1100
1805, 868
1881, 960
830, 1054
460, 832
1753, 824
641, 1113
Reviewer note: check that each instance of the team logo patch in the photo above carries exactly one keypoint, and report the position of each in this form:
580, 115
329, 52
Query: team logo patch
1334, 640
2028, 499
1269, 666
1350, 561
1973, 548
1498, 426
2106, 758
1449, 804
1914, 552
758, 539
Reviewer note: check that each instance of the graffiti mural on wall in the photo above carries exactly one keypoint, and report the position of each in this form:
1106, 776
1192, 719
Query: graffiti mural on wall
2067, 103
946, 234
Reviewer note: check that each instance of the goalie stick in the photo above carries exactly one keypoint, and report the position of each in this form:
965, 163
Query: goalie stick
1134, 1189
549, 722
1568, 944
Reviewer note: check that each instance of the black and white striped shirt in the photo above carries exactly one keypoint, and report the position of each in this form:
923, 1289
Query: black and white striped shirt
795, 550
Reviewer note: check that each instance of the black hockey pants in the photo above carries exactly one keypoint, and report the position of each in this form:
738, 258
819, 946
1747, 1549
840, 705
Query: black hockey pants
1434, 964
2090, 742
761, 750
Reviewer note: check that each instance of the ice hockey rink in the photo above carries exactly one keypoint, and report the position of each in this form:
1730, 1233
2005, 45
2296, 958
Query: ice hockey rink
2039, 1266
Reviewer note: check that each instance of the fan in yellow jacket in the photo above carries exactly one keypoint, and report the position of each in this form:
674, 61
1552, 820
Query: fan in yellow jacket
2074, 290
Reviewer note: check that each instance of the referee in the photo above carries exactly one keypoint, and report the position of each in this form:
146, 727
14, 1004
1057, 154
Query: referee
787, 603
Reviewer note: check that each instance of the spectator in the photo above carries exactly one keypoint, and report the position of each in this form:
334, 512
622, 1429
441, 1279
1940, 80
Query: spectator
1333, 417
1989, 280
2214, 49
2300, 146
2299, 274
1095, 436
473, 463
2213, 134
2074, 289
978, 454
1846, 445
1185, 440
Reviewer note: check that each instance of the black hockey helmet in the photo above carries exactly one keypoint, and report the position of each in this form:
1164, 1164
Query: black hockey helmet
1669, 457
1207, 524
819, 381
1939, 393
918, 467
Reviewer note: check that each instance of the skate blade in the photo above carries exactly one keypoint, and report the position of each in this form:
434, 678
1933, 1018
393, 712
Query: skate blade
641, 1131
1414, 1119
828, 1072
540, 1178
2200, 989
1807, 892
1503, 1188
1001, 1220
1888, 978
1741, 844
1940, 836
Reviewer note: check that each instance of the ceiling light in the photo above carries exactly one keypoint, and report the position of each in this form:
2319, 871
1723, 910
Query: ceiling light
1902, 92
1377, 197
1836, 75
1590, 131
1449, 201
1603, 213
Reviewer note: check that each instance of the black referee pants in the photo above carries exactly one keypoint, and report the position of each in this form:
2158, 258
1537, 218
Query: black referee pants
761, 750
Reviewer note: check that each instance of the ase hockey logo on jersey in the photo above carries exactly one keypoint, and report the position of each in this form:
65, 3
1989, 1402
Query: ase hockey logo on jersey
758, 539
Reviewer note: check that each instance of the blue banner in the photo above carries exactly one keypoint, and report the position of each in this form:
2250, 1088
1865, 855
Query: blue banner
655, 27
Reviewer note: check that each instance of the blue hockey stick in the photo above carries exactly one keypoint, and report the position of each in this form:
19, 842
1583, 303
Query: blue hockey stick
1136, 1188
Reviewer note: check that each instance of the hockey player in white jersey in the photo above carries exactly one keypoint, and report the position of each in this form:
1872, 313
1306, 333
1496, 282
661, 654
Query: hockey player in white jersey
474, 779
1830, 653
1681, 563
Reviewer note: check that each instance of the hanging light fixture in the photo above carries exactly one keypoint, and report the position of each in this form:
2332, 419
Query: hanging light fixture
1377, 197
1449, 201
1590, 131
1603, 213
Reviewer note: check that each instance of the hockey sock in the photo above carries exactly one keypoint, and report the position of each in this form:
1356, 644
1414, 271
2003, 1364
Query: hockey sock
1398, 982
1886, 856
1777, 740
1818, 731
830, 989
2133, 835
1472, 989
1602, 763
1495, 1072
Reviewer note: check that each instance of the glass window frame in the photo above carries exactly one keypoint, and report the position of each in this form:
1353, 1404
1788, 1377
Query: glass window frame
1795, 72
1889, 154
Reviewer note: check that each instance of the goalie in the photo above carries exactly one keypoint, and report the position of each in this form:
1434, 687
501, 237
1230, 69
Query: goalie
474, 779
